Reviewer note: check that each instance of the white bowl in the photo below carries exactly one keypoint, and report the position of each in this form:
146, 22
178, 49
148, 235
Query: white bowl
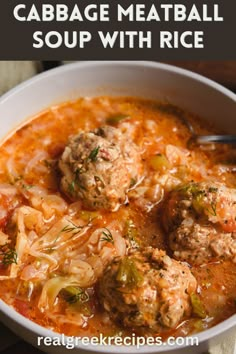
145, 79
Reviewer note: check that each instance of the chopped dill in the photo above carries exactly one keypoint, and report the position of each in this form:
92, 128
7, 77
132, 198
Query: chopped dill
73, 184
69, 228
93, 154
212, 209
107, 236
78, 171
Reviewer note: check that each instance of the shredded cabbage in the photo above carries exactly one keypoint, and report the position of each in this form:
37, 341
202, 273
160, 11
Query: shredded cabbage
53, 286
51, 246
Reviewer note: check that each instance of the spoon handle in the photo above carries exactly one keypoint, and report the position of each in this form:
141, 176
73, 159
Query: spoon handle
222, 139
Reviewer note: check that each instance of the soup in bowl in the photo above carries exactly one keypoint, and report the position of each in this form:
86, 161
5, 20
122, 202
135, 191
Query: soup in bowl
113, 223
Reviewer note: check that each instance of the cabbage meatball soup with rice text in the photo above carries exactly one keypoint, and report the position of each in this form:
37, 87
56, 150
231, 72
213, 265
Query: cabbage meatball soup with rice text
112, 223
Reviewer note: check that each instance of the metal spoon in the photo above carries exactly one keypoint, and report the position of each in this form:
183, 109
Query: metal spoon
207, 139
195, 138
218, 139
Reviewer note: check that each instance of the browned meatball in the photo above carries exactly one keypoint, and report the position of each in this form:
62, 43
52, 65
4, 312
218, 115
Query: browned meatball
98, 167
147, 289
201, 221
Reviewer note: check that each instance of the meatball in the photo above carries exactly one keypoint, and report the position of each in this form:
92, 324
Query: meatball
98, 167
201, 221
147, 289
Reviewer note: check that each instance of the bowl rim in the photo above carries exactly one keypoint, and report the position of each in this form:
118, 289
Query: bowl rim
144, 64
39, 330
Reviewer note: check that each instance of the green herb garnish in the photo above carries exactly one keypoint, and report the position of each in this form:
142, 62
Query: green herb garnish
67, 229
72, 185
212, 209
107, 236
93, 154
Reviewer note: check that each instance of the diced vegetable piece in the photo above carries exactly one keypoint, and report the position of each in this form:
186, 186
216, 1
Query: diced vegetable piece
128, 273
199, 198
197, 305
115, 119
198, 203
73, 294
198, 325
53, 287
89, 215
191, 188
85, 308
197, 194
159, 162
